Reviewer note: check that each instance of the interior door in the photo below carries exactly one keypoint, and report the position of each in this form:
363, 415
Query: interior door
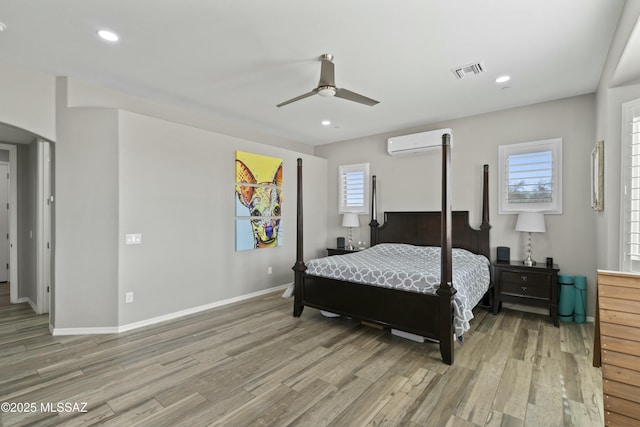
4, 222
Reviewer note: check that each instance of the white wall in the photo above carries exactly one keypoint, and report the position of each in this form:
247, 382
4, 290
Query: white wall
413, 183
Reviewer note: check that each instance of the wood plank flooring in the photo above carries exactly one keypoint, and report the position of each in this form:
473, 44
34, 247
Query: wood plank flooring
253, 364
4, 294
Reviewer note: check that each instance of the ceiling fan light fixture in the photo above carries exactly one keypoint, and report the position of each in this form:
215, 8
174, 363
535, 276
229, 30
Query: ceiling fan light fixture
326, 91
107, 35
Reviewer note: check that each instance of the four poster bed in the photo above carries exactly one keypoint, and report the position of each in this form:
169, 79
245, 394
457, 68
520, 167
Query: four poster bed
392, 299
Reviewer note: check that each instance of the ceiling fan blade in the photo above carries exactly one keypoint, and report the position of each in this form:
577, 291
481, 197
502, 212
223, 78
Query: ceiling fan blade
352, 96
327, 72
298, 98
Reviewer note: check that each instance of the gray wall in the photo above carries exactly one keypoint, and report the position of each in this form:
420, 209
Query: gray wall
413, 183
177, 189
96, 202
28, 100
27, 192
119, 172
86, 176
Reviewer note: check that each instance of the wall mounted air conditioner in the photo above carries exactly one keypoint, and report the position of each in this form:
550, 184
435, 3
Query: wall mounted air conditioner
416, 143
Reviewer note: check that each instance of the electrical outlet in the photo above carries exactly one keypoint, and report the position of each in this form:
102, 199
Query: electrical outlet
269, 270
128, 297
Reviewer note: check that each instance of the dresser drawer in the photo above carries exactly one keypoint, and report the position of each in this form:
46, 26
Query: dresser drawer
525, 284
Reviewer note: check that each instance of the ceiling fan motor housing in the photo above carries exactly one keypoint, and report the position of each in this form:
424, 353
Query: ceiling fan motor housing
326, 91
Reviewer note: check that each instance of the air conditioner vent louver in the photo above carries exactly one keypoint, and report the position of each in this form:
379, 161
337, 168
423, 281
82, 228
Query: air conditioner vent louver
416, 143
467, 70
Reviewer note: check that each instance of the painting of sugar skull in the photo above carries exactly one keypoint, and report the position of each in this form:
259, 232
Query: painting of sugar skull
258, 201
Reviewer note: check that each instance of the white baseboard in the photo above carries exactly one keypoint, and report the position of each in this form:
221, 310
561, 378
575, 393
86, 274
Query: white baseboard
34, 307
163, 318
535, 310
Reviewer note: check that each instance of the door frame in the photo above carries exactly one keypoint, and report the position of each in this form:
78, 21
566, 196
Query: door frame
13, 221
6, 163
43, 234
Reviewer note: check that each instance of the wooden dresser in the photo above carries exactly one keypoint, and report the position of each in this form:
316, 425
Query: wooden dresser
618, 321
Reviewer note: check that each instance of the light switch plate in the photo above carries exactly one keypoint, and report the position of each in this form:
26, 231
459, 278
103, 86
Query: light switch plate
133, 239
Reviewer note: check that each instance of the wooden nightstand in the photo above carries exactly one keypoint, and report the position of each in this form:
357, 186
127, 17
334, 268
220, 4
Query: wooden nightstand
536, 286
334, 251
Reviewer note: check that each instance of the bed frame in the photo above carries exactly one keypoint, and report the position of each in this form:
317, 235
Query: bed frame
426, 315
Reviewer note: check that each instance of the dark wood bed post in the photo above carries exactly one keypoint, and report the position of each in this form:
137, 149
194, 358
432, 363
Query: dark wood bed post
485, 227
299, 267
373, 225
446, 291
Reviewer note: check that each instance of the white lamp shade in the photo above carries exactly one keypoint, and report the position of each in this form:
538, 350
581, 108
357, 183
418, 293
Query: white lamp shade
350, 220
532, 222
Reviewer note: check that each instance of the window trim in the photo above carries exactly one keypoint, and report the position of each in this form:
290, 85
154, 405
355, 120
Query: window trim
626, 140
504, 151
342, 170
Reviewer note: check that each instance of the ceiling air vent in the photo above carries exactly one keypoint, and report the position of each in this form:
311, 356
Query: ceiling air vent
466, 70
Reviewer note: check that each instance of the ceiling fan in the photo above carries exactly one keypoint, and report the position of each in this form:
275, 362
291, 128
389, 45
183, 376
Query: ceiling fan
327, 86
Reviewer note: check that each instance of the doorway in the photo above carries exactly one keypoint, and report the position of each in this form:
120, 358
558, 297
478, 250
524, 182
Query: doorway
12, 218
30, 277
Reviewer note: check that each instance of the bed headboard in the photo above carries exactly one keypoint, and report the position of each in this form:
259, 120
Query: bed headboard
423, 229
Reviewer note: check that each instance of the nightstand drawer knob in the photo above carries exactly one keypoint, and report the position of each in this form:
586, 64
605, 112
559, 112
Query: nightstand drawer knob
523, 278
524, 289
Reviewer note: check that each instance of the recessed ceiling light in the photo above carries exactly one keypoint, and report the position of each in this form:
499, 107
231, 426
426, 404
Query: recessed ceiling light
2, 27
326, 122
502, 79
108, 35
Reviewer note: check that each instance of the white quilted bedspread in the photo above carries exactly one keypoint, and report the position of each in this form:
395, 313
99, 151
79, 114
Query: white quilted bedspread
412, 268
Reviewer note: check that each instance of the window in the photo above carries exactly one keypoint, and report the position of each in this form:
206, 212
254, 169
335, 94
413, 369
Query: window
354, 188
630, 238
530, 177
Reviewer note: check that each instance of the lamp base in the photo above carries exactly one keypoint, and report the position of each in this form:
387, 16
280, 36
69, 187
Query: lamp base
528, 261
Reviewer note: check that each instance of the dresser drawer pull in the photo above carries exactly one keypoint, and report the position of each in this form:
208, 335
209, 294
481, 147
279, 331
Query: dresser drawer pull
524, 289
523, 278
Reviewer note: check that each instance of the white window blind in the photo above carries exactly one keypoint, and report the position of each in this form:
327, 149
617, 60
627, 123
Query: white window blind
530, 176
353, 181
631, 186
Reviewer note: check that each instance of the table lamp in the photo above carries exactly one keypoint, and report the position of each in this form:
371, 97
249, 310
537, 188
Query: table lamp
530, 222
350, 220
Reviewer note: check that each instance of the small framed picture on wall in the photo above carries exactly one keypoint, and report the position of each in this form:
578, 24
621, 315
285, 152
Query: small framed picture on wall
597, 176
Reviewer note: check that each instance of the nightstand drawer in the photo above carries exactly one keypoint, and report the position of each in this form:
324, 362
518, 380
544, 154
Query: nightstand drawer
334, 251
526, 288
525, 279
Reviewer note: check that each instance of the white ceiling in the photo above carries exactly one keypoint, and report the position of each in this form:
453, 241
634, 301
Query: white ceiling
237, 59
